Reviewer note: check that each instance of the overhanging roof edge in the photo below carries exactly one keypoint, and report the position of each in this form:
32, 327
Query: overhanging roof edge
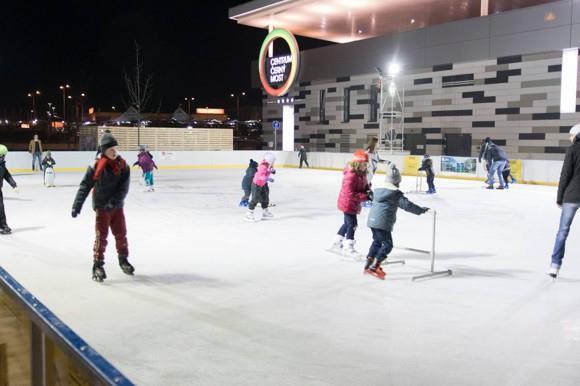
253, 6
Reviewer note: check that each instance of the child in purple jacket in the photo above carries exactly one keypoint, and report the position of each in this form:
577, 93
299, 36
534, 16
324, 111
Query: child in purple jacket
146, 163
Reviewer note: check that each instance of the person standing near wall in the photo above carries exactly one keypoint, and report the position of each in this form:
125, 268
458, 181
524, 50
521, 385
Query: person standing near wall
427, 167
303, 156
568, 199
374, 158
35, 148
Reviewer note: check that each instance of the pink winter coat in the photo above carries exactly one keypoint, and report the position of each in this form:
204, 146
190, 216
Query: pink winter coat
263, 173
353, 191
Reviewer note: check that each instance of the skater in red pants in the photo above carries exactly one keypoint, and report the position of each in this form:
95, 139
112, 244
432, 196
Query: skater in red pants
109, 179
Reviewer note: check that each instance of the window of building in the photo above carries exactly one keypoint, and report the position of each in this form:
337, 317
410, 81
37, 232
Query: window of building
374, 104
346, 105
322, 106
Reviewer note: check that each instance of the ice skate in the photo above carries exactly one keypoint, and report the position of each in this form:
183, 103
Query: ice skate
249, 217
126, 266
266, 214
98, 271
490, 187
336, 246
5, 230
349, 251
376, 272
553, 271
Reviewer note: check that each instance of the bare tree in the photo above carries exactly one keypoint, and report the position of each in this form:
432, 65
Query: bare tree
139, 85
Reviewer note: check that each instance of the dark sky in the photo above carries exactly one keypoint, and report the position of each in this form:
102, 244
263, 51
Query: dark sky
190, 47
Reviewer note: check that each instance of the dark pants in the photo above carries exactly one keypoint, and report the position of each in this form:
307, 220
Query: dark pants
114, 219
349, 227
507, 174
2, 214
430, 179
260, 194
304, 160
37, 156
382, 244
568, 212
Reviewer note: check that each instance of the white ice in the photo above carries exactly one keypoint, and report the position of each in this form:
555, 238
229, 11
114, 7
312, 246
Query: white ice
219, 301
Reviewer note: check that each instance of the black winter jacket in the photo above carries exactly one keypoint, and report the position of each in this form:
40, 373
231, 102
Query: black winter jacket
386, 201
5, 175
427, 166
250, 172
569, 186
497, 153
109, 192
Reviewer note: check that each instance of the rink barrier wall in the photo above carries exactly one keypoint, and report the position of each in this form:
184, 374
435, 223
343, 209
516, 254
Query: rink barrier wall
39, 349
537, 172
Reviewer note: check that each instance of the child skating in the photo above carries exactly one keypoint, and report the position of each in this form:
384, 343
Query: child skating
387, 199
48, 167
354, 190
4, 176
507, 174
109, 180
247, 182
427, 167
260, 188
146, 163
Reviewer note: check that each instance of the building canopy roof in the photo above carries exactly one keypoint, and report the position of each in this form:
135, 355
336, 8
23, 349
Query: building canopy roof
343, 21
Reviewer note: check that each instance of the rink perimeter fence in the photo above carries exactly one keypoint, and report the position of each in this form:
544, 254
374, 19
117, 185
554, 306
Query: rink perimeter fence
539, 172
37, 348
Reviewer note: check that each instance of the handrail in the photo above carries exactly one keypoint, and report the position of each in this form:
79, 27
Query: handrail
49, 324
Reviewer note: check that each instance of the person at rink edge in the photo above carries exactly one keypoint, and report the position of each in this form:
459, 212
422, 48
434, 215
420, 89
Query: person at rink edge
109, 180
354, 190
387, 198
4, 176
260, 188
568, 199
427, 167
303, 156
35, 148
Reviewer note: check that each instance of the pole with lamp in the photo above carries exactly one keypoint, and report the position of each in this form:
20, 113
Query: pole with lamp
237, 96
33, 95
63, 88
82, 98
189, 100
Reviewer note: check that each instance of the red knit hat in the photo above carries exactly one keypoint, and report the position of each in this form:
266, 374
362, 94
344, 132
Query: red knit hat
360, 156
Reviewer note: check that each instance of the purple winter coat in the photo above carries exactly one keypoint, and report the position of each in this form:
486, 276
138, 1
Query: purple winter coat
145, 161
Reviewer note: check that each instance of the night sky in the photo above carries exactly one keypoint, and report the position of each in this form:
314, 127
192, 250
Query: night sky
191, 48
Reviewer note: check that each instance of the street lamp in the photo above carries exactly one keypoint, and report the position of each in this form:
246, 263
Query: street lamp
33, 95
189, 100
64, 88
237, 96
83, 95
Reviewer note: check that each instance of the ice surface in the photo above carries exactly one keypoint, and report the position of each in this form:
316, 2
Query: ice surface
219, 301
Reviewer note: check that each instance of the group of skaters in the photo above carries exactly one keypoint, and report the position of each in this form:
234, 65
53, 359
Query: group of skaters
496, 161
109, 177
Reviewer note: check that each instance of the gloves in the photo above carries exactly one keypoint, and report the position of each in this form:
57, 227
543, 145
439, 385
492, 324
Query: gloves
425, 209
270, 179
273, 171
74, 213
370, 194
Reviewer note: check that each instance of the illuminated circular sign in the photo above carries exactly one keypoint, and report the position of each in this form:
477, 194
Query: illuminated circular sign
277, 74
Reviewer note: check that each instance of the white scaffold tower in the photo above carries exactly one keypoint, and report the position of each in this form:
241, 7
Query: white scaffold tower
391, 110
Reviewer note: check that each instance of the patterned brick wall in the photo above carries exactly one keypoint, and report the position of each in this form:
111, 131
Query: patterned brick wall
514, 100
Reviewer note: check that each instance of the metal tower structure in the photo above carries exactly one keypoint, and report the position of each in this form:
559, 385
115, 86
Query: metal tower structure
391, 111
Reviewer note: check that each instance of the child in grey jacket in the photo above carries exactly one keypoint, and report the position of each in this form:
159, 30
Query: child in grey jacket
387, 199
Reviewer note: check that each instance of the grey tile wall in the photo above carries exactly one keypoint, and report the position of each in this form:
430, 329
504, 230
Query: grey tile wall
514, 100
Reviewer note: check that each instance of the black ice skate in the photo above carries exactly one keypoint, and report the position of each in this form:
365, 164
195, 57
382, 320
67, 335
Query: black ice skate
5, 230
126, 266
98, 271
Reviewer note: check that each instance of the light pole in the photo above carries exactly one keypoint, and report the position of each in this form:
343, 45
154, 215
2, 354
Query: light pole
83, 95
189, 100
64, 88
237, 96
33, 95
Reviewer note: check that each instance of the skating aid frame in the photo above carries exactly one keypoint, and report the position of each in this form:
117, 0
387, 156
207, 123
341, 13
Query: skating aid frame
432, 271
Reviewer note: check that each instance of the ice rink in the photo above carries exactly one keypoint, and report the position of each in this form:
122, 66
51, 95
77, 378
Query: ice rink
219, 301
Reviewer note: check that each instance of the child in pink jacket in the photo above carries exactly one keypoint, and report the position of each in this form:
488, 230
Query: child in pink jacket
260, 189
355, 190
